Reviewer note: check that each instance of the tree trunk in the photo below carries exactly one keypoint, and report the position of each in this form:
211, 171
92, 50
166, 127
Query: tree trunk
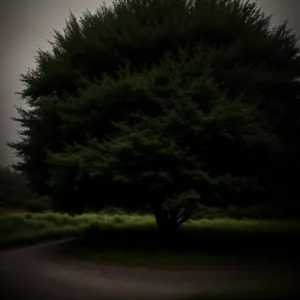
170, 219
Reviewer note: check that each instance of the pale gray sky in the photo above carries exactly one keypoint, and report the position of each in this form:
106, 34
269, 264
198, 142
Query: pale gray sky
26, 25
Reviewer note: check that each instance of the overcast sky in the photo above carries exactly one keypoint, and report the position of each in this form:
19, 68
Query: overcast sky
26, 25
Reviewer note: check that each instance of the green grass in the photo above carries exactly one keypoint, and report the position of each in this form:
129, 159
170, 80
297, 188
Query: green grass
17, 228
136, 240
222, 243
25, 228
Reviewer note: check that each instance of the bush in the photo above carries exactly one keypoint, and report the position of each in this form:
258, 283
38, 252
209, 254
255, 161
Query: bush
205, 212
235, 212
37, 204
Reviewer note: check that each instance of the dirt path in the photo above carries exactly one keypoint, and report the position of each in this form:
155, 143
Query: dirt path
39, 272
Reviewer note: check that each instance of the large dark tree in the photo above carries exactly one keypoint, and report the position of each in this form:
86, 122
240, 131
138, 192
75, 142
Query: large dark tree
164, 104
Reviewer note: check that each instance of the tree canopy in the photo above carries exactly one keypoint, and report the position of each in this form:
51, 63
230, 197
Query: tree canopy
164, 104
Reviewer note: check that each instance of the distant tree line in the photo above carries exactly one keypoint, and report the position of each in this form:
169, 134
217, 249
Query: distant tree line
15, 193
13, 187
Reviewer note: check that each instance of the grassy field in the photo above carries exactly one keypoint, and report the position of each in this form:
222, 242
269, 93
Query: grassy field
25, 228
222, 243
135, 239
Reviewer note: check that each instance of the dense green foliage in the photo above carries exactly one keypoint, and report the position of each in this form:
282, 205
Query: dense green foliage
164, 104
